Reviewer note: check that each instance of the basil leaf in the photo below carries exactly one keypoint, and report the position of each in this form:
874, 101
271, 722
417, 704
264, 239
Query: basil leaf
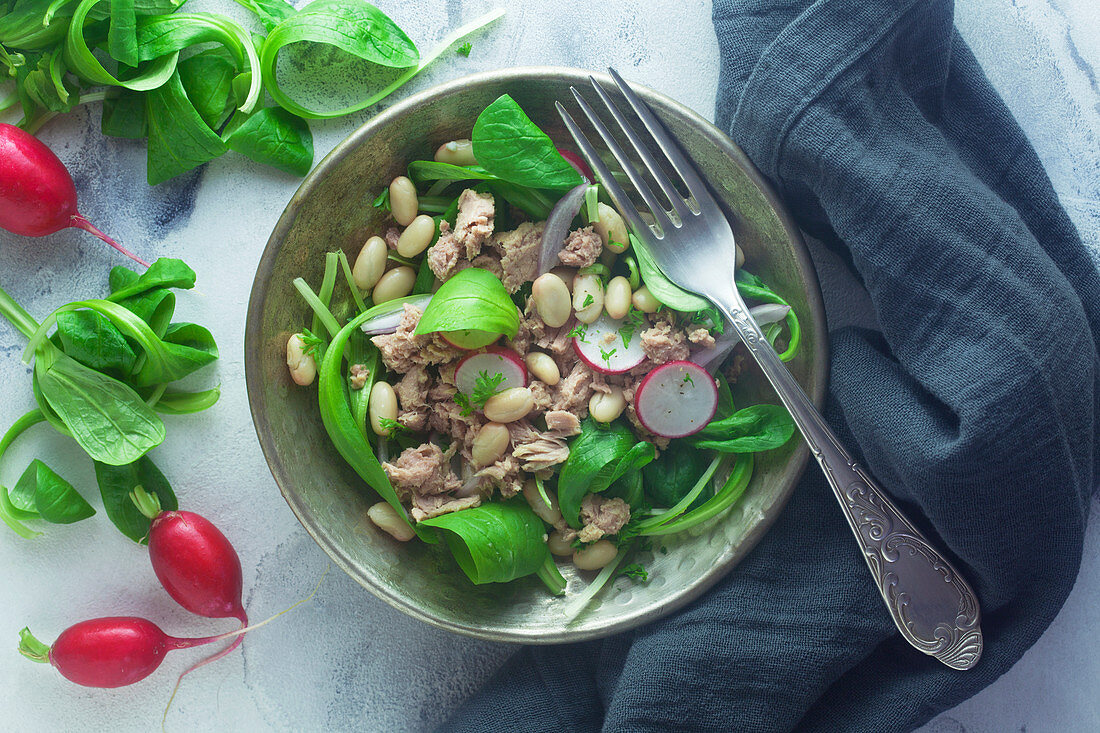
186, 403
53, 498
270, 12
430, 170
162, 35
122, 36
662, 288
165, 272
347, 434
124, 114
115, 485
179, 140
351, 26
208, 80
107, 418
669, 478
749, 430
495, 542
510, 146
85, 65
597, 458
92, 340
275, 137
471, 299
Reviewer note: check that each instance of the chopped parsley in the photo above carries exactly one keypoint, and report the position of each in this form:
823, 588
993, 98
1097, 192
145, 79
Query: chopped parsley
391, 426
636, 572
383, 200
484, 388
606, 355
633, 320
464, 49
314, 345
689, 380
580, 332
710, 318
588, 300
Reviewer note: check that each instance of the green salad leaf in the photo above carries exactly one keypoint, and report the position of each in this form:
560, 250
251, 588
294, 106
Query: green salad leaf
115, 485
471, 299
749, 430
495, 542
165, 272
511, 147
598, 457
92, 340
275, 137
41, 493
669, 478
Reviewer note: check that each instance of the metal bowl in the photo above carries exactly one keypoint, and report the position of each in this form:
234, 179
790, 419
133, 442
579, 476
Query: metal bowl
333, 209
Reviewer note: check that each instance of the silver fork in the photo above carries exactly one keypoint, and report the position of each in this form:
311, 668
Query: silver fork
932, 605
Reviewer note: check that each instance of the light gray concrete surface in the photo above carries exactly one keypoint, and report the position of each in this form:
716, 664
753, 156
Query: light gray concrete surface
346, 661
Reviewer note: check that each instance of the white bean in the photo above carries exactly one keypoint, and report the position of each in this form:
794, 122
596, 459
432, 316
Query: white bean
739, 258
605, 407
370, 264
543, 367
567, 275
644, 301
417, 236
616, 301
386, 518
489, 444
403, 200
611, 228
303, 367
456, 152
557, 544
396, 283
595, 556
381, 405
587, 298
510, 405
549, 514
551, 298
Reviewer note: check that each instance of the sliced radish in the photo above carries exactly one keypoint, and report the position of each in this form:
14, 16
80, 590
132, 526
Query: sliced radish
676, 399
469, 338
600, 344
492, 362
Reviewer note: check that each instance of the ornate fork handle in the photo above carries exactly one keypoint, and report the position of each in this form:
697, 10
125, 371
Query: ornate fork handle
932, 605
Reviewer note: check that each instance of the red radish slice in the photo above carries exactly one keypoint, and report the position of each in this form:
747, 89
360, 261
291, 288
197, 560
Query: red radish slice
469, 338
600, 345
492, 362
676, 399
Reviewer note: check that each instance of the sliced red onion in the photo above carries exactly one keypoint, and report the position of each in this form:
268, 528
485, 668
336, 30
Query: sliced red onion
388, 321
711, 359
557, 226
578, 164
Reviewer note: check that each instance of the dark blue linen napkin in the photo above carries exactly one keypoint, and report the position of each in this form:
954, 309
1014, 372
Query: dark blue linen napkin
975, 405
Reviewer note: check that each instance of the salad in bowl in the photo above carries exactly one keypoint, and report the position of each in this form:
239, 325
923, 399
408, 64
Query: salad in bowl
517, 380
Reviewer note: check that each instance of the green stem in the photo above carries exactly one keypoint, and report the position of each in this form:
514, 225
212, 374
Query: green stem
551, 576
355, 294
16, 315
597, 584
682, 505
8, 513
726, 497
32, 648
320, 310
146, 503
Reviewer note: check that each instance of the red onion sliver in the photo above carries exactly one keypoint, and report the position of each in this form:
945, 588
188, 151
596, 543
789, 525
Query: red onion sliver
388, 322
711, 359
557, 226
578, 163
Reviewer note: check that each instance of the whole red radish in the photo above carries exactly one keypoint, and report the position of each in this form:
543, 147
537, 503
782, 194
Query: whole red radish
37, 194
193, 560
107, 652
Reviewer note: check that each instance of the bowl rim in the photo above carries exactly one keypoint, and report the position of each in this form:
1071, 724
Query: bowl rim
252, 349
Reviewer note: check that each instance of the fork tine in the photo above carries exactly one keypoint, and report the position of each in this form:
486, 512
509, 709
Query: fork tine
655, 207
647, 157
617, 193
672, 151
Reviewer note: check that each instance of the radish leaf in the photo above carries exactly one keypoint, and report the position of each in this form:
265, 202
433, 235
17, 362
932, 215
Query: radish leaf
597, 458
749, 430
510, 146
277, 138
115, 485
